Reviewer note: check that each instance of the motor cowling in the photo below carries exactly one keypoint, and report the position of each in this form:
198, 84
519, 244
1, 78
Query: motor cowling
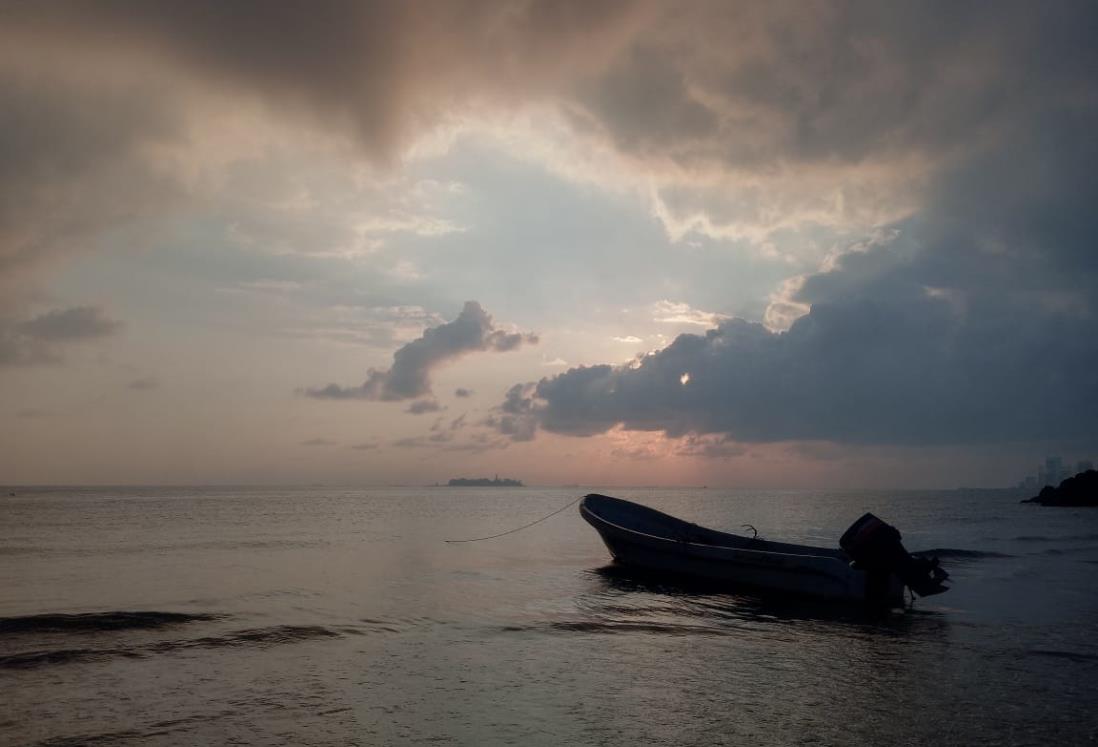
875, 547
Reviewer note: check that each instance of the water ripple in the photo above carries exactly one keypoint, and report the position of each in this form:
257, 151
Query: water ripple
954, 553
97, 621
254, 637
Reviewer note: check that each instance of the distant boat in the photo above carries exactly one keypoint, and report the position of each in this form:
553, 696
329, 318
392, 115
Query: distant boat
484, 482
873, 565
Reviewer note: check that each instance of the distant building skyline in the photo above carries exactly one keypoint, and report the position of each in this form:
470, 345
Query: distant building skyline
1052, 472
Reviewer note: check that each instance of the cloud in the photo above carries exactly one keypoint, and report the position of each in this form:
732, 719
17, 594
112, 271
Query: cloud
448, 441
910, 371
318, 442
409, 376
650, 447
421, 406
78, 161
375, 69
968, 135
40, 339
968, 319
710, 447
371, 326
518, 419
629, 339
144, 383
64, 325
420, 442
669, 312
744, 119
973, 322
462, 393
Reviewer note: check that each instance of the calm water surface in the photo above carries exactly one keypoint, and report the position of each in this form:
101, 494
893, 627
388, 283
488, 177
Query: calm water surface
181, 616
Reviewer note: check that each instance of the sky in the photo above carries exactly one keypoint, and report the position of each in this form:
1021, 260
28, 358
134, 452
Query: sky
781, 245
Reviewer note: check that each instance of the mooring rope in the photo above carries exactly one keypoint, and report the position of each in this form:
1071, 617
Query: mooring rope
519, 529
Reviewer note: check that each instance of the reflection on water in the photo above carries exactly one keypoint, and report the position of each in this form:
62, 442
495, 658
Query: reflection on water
327, 617
715, 603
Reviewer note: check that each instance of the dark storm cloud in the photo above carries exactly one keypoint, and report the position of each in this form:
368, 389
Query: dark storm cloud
377, 67
72, 164
908, 372
41, 338
745, 85
978, 322
645, 104
748, 88
756, 85
409, 377
740, 84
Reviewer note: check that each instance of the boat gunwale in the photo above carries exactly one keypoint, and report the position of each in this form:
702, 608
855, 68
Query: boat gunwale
603, 520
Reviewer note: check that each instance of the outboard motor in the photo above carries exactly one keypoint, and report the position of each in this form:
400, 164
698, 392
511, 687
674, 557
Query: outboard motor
875, 547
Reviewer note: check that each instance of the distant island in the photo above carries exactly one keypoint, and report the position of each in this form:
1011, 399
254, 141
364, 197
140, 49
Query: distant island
484, 482
1081, 490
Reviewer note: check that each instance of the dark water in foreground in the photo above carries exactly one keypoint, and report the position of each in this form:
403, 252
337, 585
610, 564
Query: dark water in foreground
330, 617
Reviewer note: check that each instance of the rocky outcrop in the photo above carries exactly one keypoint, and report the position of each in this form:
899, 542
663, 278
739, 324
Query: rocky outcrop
1081, 490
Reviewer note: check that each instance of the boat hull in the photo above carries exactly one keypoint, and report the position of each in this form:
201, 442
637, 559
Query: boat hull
826, 575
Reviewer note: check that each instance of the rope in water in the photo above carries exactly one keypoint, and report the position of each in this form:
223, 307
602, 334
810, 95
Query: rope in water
519, 529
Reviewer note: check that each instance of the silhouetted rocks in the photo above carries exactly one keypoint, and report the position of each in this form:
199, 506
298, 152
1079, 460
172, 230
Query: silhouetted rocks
1081, 490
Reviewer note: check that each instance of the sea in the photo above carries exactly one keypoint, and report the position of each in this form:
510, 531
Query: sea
340, 616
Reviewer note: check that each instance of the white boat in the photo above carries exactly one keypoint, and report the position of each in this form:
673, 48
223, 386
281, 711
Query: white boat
873, 566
